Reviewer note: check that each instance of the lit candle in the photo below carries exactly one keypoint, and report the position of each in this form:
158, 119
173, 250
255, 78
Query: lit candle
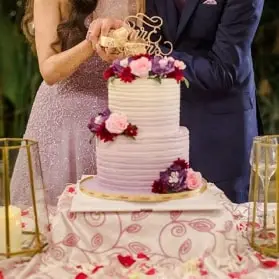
15, 229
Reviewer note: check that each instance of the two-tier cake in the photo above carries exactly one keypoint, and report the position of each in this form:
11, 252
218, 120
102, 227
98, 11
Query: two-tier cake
142, 153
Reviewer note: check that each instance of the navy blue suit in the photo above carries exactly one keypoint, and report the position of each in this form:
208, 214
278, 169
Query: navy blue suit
219, 108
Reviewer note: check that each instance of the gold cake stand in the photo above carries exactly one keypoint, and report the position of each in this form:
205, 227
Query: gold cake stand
140, 198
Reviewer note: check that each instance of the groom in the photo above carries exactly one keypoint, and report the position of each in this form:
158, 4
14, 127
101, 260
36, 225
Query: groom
213, 38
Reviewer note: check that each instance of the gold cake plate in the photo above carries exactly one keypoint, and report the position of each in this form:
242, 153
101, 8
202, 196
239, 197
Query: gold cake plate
136, 197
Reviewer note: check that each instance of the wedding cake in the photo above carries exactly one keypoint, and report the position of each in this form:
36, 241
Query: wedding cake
141, 149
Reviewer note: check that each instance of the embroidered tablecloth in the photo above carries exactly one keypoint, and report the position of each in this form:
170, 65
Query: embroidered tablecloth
78, 249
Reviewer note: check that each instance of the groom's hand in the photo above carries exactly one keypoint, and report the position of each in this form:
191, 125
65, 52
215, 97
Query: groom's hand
101, 27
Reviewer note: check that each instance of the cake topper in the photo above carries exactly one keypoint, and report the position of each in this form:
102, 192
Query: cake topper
133, 38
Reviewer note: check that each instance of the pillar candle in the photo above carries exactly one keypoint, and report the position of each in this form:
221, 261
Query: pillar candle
15, 229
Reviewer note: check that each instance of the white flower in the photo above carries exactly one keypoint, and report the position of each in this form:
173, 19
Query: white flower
98, 120
124, 62
180, 65
173, 178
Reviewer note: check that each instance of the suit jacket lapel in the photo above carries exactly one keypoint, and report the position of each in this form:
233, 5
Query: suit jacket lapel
167, 11
188, 10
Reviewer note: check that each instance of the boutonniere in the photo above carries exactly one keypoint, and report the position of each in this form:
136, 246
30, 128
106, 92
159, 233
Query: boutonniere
210, 2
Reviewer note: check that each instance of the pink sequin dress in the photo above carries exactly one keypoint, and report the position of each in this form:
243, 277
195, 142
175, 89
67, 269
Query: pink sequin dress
59, 119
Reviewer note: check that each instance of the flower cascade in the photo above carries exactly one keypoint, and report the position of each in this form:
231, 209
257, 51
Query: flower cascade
107, 126
177, 178
148, 67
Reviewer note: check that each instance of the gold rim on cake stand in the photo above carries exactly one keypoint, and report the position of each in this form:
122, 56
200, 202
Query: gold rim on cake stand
142, 198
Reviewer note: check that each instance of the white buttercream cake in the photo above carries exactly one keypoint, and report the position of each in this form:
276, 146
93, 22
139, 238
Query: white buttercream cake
140, 148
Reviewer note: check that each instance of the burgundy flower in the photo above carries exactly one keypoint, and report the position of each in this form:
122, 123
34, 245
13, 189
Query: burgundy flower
182, 163
177, 75
104, 135
126, 75
108, 73
158, 187
131, 131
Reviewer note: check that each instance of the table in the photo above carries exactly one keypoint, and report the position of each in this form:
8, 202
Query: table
67, 257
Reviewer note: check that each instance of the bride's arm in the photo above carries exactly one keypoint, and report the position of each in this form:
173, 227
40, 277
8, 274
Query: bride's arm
55, 66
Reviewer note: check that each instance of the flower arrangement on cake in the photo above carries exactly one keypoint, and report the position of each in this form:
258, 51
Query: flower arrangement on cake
107, 126
148, 67
179, 177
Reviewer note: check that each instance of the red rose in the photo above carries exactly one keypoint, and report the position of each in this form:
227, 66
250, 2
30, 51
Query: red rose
126, 75
177, 75
108, 73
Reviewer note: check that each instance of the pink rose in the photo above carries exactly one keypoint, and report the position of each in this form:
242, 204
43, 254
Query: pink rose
141, 67
193, 179
117, 123
179, 64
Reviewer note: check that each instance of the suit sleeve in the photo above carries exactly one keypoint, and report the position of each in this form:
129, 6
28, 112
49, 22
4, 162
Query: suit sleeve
221, 69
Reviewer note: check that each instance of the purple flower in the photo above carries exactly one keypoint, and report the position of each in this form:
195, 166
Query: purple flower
96, 123
174, 179
162, 66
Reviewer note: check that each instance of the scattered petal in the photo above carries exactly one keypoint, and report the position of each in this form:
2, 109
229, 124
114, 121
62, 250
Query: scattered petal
143, 256
96, 268
151, 271
81, 275
126, 261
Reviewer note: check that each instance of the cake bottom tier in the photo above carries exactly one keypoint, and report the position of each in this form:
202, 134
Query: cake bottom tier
131, 166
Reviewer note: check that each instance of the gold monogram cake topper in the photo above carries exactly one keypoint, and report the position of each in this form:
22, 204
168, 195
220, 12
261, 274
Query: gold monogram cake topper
133, 38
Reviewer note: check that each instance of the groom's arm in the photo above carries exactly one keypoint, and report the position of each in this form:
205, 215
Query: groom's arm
221, 69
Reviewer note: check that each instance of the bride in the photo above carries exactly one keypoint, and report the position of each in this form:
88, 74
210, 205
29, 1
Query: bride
73, 88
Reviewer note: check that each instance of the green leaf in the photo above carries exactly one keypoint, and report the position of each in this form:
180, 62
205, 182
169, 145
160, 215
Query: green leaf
111, 79
158, 78
187, 83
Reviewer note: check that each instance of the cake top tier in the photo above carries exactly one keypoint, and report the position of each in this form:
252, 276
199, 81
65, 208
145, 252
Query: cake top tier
145, 66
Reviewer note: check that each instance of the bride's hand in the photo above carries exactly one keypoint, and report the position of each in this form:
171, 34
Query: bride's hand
106, 54
101, 27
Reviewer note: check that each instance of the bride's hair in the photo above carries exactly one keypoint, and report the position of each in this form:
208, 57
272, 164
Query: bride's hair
70, 32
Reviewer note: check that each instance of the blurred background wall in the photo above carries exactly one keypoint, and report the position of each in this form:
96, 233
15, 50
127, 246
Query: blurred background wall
20, 78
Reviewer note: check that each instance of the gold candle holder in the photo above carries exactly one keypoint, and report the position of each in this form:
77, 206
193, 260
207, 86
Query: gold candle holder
263, 228
16, 239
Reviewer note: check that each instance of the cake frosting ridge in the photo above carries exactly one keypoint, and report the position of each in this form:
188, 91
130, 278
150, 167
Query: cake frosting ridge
153, 107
